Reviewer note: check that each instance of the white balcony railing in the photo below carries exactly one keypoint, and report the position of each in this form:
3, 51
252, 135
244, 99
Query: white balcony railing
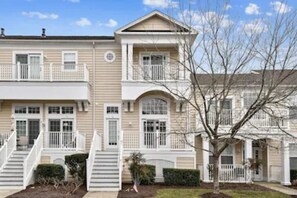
231, 173
64, 140
3, 138
155, 72
225, 117
39, 72
7, 148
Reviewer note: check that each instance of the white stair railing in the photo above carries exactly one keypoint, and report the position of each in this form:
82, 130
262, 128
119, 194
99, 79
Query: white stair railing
32, 159
6, 150
120, 157
95, 145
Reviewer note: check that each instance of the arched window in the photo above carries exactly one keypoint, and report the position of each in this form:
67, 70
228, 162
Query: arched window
154, 106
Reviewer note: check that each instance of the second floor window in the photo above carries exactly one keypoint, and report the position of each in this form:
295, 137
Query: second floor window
69, 60
153, 66
226, 113
249, 99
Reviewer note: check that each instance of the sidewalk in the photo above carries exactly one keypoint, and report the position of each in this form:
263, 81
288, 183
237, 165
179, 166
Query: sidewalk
101, 195
5, 193
278, 187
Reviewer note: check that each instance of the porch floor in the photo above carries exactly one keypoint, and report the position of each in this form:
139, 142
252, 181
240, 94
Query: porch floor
278, 187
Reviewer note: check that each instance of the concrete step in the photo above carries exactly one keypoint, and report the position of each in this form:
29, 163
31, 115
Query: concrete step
5, 174
5, 170
104, 180
111, 164
6, 183
106, 160
12, 168
11, 179
98, 184
102, 176
105, 168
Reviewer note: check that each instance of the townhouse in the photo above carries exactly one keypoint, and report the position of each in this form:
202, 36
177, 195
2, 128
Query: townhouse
61, 95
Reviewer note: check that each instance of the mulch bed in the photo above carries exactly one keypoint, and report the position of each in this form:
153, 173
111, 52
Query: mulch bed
212, 195
49, 191
151, 190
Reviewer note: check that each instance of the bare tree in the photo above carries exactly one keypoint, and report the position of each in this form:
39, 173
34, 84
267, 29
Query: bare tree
228, 57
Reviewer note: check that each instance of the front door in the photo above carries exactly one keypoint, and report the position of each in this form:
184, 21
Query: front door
27, 131
112, 132
258, 172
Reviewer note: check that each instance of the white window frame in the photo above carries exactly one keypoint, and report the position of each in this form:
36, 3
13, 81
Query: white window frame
63, 61
111, 116
233, 154
160, 117
60, 116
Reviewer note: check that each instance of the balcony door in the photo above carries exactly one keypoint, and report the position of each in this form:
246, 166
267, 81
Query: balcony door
154, 133
153, 66
27, 131
29, 66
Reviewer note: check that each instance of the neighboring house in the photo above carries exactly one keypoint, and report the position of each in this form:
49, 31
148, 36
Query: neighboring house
61, 95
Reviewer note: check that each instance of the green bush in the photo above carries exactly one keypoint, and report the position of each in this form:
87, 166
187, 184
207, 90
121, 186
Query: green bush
293, 174
49, 172
76, 164
186, 177
148, 174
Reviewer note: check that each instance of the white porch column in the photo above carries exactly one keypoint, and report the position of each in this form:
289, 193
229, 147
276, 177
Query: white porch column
248, 154
248, 149
124, 61
205, 154
181, 66
130, 61
285, 163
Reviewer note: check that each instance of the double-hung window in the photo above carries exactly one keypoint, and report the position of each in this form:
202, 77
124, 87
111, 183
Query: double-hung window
226, 157
69, 60
226, 111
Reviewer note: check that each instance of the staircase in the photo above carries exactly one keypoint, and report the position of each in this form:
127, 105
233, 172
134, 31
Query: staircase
105, 171
11, 176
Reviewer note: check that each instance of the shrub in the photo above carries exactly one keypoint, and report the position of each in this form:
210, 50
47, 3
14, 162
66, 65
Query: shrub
186, 177
147, 176
293, 174
49, 172
76, 164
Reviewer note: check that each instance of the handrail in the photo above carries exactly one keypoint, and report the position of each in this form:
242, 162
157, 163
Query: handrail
32, 159
6, 150
95, 145
120, 157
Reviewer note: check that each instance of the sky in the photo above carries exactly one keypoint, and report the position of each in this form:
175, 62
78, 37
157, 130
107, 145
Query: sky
103, 17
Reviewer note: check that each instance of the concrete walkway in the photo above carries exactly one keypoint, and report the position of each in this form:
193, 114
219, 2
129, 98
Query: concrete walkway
101, 195
278, 187
5, 193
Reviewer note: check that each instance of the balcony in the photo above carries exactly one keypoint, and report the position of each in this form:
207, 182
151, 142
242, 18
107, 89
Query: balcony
44, 82
145, 78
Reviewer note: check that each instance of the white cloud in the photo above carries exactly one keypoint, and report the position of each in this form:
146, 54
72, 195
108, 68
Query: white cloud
41, 15
160, 3
111, 23
252, 9
73, 1
280, 7
83, 22
256, 26
268, 13
227, 7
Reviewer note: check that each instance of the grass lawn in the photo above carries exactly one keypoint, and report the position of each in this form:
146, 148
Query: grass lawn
194, 193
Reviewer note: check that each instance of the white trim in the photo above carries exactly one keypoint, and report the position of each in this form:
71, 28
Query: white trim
109, 52
27, 52
162, 15
63, 61
111, 116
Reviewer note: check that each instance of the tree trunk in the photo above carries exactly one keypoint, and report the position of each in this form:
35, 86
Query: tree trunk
216, 184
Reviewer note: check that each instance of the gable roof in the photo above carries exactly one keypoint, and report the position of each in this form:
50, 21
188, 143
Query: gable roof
157, 13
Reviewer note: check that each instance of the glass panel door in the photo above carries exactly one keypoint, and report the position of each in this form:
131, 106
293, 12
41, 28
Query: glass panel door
112, 127
67, 134
21, 128
154, 133
33, 130
54, 133
34, 66
22, 60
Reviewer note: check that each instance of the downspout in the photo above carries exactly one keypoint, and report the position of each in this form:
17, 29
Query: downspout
94, 86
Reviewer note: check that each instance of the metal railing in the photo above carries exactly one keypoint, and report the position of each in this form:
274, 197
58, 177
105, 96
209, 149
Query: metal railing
95, 145
7, 148
43, 72
32, 160
65, 140
231, 173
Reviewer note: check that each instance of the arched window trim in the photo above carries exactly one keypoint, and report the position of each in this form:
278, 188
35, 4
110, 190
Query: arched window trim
165, 112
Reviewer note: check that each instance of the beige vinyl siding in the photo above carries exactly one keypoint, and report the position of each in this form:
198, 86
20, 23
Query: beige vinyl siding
185, 162
45, 160
274, 156
154, 23
238, 152
198, 149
